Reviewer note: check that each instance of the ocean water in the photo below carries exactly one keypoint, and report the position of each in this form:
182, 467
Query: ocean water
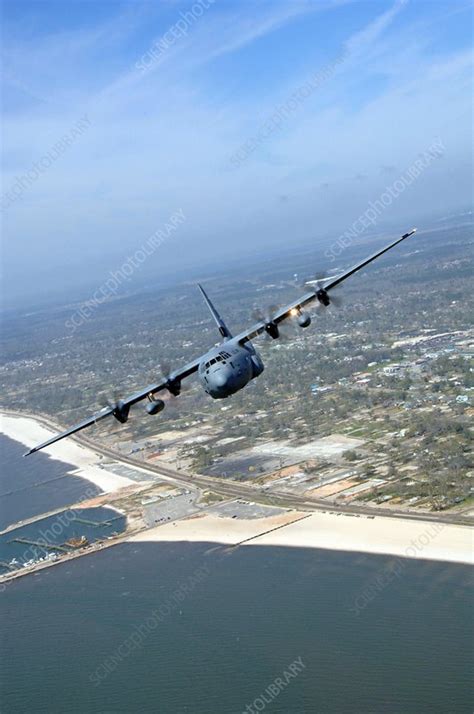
201, 628
35, 541
36, 484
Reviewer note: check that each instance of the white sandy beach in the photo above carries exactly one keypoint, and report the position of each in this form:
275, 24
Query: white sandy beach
401, 537
384, 535
30, 433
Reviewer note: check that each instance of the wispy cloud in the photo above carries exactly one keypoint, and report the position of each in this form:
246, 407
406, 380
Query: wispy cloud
162, 138
371, 32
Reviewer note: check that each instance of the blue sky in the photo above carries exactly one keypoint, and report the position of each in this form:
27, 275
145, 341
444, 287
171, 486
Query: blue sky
163, 139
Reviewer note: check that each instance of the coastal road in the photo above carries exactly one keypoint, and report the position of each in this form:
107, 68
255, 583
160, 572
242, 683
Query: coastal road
254, 493
284, 500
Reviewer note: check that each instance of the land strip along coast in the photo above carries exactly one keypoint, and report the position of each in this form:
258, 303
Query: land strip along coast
235, 522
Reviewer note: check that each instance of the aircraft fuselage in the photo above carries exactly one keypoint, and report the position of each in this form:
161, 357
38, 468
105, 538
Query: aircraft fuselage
228, 367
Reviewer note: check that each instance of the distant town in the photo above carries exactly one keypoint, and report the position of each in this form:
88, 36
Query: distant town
371, 405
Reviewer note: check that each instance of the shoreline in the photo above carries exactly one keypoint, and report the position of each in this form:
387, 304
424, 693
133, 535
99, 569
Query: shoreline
86, 463
309, 528
416, 540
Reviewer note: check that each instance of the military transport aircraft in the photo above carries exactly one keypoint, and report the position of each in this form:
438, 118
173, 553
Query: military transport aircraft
228, 367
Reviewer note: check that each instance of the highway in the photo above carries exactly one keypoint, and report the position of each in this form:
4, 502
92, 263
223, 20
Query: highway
234, 489
244, 491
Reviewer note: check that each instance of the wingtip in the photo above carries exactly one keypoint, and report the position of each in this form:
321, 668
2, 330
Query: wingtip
27, 453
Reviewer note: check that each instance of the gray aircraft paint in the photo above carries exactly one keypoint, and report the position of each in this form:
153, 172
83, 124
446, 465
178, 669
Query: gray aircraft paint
229, 366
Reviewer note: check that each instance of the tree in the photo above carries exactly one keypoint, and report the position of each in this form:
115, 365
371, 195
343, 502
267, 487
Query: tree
350, 455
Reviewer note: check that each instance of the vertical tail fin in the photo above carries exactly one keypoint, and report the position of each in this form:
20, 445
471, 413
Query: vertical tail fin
223, 329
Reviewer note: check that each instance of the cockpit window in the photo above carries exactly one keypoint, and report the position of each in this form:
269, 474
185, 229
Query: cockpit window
221, 357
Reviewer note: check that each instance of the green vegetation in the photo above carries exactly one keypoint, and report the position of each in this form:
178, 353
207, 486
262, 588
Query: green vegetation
329, 379
209, 497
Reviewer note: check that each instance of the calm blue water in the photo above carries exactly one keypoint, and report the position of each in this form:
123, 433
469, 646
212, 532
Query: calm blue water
200, 628
250, 613
36, 540
36, 484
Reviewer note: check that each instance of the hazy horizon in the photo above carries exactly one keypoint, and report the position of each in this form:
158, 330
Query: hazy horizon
260, 124
149, 276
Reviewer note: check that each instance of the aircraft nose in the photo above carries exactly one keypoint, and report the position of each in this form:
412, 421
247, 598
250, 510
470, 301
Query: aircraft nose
220, 378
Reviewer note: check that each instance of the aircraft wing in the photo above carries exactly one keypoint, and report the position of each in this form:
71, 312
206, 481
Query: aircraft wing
332, 282
319, 294
120, 409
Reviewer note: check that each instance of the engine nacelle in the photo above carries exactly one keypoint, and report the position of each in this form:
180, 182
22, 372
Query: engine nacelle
271, 328
323, 297
174, 387
155, 407
120, 411
304, 320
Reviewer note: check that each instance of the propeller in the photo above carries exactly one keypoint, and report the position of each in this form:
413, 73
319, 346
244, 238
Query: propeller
164, 369
172, 385
157, 402
273, 331
266, 313
324, 299
120, 409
